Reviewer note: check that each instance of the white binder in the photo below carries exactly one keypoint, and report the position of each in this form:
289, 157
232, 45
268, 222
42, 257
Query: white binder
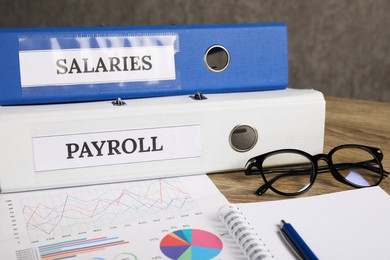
58, 145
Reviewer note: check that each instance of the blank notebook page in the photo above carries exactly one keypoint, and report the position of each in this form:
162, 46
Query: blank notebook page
344, 225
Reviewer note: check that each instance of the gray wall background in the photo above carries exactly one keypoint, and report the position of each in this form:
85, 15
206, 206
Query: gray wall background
340, 47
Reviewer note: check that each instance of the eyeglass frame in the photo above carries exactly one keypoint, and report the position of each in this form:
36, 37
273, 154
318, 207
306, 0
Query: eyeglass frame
314, 159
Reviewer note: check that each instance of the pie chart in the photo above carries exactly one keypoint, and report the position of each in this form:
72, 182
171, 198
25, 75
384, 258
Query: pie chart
190, 244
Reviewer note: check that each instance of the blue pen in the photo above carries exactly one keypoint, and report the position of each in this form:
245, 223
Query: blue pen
296, 242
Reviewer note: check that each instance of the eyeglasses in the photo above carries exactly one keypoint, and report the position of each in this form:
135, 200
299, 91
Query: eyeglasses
292, 172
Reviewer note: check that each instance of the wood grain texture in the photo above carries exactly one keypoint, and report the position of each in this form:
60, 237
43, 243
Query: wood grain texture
347, 121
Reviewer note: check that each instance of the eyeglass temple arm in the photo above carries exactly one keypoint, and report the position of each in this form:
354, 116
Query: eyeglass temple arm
339, 166
263, 188
369, 165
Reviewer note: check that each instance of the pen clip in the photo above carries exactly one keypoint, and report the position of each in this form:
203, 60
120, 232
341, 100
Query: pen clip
291, 245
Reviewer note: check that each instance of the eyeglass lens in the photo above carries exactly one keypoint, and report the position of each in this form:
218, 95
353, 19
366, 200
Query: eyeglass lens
357, 166
290, 172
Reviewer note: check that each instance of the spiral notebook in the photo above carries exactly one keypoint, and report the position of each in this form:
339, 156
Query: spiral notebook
243, 233
350, 224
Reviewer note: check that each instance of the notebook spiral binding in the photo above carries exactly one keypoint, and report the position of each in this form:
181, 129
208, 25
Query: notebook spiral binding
244, 235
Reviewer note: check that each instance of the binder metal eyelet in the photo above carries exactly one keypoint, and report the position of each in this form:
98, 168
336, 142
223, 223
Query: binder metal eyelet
217, 58
243, 138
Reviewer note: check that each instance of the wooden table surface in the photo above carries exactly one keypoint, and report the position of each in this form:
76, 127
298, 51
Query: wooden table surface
347, 121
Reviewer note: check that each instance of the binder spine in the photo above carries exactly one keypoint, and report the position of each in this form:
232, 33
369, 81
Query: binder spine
244, 235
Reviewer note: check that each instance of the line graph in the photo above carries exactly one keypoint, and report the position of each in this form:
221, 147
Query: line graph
99, 206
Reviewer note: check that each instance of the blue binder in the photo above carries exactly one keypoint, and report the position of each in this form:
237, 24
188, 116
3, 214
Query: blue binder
55, 65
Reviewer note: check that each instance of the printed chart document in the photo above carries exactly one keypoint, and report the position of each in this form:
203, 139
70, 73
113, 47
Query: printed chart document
179, 218
344, 225
153, 219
